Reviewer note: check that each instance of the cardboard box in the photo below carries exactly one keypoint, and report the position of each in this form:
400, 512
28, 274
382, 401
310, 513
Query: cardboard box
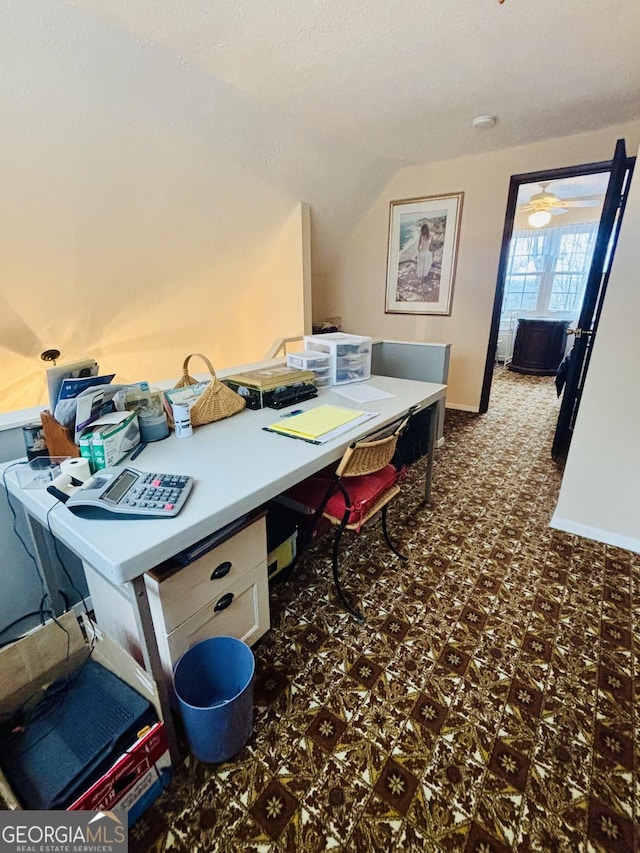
282, 536
146, 790
281, 557
50, 651
132, 778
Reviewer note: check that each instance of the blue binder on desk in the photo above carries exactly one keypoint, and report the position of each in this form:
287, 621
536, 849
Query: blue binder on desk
52, 753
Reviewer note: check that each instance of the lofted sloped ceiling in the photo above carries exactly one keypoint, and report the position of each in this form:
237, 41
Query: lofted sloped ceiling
158, 150
403, 81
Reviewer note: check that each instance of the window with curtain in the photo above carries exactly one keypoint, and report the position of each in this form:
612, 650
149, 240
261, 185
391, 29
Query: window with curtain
548, 269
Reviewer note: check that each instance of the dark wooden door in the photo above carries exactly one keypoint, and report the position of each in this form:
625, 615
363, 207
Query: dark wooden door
595, 291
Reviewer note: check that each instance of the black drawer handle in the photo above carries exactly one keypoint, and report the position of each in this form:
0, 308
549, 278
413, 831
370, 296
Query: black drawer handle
221, 570
224, 602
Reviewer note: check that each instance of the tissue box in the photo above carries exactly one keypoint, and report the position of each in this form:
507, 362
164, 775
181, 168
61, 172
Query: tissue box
109, 439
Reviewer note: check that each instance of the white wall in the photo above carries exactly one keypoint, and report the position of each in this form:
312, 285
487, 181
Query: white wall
148, 209
600, 493
355, 288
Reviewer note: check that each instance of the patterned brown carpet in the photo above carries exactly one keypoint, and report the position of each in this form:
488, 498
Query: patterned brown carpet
488, 703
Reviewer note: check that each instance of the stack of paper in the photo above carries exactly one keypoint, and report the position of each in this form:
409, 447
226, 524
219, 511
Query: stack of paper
320, 424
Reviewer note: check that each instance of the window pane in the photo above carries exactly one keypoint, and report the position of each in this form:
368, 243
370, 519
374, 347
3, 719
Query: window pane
521, 293
574, 256
567, 292
551, 264
574, 253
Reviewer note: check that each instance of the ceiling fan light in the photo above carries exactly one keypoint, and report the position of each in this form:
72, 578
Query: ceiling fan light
539, 218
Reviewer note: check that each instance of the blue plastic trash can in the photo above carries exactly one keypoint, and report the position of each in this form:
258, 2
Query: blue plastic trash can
214, 686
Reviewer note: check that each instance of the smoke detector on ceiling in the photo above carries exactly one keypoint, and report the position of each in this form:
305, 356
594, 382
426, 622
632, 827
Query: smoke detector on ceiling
484, 121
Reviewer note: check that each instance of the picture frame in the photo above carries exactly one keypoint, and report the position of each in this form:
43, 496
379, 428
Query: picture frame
422, 254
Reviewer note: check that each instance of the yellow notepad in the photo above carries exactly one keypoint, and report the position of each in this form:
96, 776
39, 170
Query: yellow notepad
316, 422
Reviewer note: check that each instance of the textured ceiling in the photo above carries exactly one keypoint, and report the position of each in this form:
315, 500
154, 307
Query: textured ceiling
582, 186
403, 80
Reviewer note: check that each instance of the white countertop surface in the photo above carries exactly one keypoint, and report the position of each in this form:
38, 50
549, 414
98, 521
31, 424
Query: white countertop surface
237, 467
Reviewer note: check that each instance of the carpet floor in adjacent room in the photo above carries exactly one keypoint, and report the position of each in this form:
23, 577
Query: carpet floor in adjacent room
488, 703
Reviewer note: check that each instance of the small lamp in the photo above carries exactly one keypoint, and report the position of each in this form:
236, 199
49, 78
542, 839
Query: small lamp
539, 218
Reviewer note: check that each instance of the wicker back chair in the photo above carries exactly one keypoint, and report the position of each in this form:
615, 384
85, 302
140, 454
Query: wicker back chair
363, 484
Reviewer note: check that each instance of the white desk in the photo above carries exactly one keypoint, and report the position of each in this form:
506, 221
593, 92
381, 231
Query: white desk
237, 466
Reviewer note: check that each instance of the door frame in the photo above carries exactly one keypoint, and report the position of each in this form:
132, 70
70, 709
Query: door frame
514, 185
615, 201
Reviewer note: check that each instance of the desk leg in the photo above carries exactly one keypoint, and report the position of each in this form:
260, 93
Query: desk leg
433, 428
152, 662
45, 558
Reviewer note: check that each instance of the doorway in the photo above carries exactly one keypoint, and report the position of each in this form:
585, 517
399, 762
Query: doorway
540, 273
550, 251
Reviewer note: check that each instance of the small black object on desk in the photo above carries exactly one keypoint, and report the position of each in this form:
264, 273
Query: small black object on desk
137, 451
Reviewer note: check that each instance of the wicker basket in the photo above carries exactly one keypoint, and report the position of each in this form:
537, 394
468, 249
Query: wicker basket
216, 402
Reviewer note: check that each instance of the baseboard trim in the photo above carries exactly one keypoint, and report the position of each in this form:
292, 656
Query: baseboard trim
460, 407
628, 543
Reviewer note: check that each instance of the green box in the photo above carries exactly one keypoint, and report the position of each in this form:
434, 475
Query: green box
113, 437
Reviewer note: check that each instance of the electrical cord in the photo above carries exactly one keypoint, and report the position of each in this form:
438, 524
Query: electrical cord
39, 612
41, 707
38, 708
45, 594
164, 776
20, 619
80, 595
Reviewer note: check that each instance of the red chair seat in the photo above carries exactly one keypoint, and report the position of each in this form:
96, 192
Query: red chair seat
364, 491
350, 493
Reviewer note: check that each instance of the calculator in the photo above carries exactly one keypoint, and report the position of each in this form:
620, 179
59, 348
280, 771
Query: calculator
127, 492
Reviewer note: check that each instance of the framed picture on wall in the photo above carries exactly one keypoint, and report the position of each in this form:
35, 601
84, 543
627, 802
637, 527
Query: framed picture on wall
421, 257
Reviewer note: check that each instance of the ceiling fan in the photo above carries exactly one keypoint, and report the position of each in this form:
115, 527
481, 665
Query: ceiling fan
545, 204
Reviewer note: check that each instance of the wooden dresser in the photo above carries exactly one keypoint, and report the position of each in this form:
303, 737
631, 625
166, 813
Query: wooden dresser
539, 346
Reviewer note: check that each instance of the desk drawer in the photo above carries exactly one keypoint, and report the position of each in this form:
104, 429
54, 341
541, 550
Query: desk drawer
242, 611
177, 597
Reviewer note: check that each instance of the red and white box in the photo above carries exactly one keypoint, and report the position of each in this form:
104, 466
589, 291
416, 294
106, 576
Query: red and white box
147, 760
